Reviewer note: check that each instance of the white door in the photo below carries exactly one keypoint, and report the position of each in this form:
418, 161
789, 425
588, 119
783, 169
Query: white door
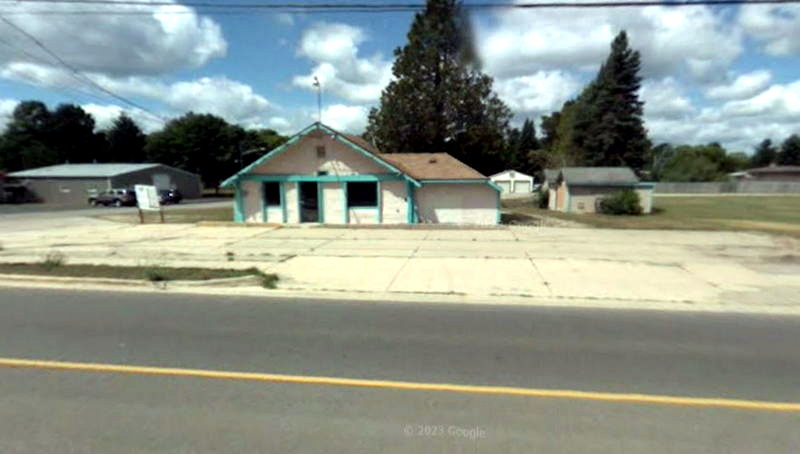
505, 185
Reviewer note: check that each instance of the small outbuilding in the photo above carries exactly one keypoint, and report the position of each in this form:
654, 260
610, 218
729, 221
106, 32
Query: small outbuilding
513, 182
580, 189
321, 175
73, 184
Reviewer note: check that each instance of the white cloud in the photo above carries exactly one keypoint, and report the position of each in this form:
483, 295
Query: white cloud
114, 44
6, 110
776, 26
334, 49
743, 86
538, 93
105, 114
345, 118
665, 98
234, 101
781, 102
670, 39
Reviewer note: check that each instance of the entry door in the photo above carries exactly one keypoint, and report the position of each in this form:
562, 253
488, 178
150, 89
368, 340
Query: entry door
309, 201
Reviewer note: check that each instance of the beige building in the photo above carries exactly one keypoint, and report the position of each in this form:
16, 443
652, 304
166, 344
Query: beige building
323, 176
580, 189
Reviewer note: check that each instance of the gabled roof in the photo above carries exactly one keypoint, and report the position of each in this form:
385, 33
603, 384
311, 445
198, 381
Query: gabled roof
356, 143
508, 171
81, 170
598, 176
432, 166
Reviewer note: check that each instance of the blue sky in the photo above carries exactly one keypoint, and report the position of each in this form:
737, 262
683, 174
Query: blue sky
727, 74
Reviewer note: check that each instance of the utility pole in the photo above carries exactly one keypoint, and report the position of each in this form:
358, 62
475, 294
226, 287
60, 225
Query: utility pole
317, 85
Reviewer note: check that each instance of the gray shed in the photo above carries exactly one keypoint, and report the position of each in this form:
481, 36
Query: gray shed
72, 184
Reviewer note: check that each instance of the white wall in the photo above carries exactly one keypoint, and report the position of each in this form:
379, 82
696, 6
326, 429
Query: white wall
333, 196
395, 204
457, 204
292, 213
300, 158
363, 216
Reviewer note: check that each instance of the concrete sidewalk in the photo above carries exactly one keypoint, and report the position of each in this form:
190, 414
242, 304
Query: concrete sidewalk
551, 263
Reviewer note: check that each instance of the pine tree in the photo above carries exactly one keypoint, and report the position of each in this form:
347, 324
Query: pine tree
528, 140
765, 154
790, 151
440, 100
607, 128
126, 141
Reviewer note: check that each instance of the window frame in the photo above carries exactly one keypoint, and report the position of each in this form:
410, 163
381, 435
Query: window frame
363, 207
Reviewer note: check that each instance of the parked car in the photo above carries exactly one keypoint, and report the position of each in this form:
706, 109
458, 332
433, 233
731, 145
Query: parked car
168, 196
115, 197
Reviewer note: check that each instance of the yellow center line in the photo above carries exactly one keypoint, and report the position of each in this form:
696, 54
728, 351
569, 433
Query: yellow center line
406, 385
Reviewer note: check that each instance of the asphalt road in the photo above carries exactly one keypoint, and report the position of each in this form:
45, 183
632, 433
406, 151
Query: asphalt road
680, 354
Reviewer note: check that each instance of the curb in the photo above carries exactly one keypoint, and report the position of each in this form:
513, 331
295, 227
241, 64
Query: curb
245, 287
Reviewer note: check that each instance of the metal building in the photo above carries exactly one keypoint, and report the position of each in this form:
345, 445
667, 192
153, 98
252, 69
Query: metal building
73, 184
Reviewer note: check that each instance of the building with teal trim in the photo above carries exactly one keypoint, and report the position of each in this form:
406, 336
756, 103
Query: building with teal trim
580, 189
323, 176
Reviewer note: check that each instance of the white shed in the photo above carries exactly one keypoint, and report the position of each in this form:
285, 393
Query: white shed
513, 182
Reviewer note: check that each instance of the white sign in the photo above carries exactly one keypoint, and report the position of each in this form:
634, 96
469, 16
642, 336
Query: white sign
147, 197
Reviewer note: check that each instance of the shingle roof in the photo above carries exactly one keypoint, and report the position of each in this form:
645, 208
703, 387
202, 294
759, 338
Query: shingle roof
362, 142
81, 170
432, 166
598, 175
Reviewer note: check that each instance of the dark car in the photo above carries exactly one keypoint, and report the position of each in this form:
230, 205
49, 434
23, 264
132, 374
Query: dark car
168, 196
115, 197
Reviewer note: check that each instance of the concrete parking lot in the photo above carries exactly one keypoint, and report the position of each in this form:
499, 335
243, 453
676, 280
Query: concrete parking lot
546, 263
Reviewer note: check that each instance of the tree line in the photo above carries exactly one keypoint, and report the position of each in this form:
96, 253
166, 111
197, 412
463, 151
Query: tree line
201, 143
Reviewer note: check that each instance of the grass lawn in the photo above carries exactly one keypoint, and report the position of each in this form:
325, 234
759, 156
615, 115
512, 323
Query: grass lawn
150, 273
772, 214
182, 216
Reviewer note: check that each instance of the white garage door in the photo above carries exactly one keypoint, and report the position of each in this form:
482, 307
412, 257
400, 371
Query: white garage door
505, 185
522, 186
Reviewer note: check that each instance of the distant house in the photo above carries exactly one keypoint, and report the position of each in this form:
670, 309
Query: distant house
580, 189
72, 184
323, 176
769, 173
513, 182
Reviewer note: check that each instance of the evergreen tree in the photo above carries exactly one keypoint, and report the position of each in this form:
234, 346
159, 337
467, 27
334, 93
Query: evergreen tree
765, 154
439, 100
528, 140
26, 140
790, 152
126, 141
604, 126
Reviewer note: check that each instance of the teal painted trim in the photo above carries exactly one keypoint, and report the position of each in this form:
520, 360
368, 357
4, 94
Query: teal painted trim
495, 186
410, 203
380, 202
264, 208
344, 203
320, 203
238, 205
499, 215
268, 156
283, 202
336, 135
322, 178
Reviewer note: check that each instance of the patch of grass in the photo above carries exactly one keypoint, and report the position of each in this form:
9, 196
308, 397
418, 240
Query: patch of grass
150, 273
771, 214
177, 216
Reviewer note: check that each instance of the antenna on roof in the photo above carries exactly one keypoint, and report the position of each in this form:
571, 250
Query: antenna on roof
318, 86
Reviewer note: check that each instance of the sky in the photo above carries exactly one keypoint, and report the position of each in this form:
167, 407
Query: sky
726, 74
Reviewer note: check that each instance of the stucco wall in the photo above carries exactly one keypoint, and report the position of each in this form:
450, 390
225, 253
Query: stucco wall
457, 203
363, 216
584, 199
292, 213
395, 205
561, 197
301, 158
551, 199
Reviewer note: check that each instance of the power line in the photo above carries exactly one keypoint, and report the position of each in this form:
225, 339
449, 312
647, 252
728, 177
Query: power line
381, 7
76, 73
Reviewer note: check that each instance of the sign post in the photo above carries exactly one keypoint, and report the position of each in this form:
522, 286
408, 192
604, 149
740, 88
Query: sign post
147, 200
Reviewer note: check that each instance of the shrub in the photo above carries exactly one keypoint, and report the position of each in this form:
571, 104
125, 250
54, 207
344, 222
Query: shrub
621, 202
53, 259
155, 274
544, 198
